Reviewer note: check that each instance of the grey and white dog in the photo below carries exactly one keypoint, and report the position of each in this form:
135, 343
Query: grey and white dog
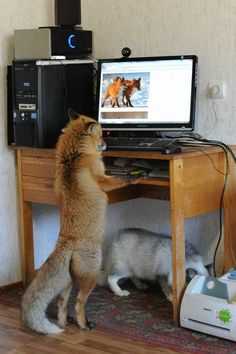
139, 254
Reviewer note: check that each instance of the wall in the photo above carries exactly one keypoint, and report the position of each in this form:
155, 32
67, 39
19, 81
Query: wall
14, 14
155, 27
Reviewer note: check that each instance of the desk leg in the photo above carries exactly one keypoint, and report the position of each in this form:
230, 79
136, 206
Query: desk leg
26, 229
27, 250
230, 220
178, 240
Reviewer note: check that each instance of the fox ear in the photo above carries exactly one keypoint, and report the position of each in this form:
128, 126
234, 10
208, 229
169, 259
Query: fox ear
72, 114
92, 128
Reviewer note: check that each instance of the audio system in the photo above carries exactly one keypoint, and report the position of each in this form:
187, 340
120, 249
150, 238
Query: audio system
39, 95
67, 12
52, 43
51, 72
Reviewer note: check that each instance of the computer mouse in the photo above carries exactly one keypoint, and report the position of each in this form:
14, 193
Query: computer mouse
171, 149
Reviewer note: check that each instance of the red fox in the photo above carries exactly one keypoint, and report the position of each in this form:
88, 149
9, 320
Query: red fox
82, 186
114, 90
130, 88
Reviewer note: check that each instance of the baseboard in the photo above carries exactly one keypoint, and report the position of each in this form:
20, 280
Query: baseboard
12, 285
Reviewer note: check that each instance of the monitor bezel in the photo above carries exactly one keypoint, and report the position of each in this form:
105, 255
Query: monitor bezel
153, 126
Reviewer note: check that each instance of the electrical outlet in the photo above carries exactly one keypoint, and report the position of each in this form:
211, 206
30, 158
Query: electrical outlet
216, 90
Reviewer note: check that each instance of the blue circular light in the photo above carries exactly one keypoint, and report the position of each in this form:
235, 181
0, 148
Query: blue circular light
70, 39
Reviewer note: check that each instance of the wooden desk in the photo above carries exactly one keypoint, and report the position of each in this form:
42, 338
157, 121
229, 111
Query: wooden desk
193, 188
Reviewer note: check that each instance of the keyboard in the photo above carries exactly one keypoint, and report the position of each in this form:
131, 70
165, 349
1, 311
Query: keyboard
138, 144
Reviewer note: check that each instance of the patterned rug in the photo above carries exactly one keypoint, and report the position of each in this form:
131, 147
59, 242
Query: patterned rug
144, 316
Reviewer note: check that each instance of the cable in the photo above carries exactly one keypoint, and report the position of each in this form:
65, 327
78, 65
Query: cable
201, 142
210, 142
221, 212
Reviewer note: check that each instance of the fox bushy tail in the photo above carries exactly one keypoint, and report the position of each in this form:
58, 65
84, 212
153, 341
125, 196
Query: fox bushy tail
35, 318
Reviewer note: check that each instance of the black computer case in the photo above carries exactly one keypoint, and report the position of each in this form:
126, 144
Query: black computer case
39, 95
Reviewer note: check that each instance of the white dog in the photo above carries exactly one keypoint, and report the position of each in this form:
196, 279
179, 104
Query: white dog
141, 254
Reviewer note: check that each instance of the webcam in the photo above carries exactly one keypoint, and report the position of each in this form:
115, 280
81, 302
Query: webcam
126, 52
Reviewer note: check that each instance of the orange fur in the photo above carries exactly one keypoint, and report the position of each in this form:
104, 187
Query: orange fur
114, 90
81, 185
130, 88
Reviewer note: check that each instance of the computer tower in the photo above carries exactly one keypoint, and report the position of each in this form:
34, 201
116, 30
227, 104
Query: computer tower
39, 95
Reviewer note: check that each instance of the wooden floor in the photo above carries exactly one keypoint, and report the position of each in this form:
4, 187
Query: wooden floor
15, 339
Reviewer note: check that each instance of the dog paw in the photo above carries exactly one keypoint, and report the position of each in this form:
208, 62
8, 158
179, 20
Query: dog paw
123, 293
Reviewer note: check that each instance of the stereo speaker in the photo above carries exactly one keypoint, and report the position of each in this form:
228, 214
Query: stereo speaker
67, 12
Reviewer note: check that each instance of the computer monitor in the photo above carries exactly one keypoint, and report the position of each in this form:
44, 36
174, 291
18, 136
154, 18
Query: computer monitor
148, 93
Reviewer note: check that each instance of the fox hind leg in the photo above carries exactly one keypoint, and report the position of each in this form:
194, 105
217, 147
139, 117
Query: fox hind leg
104, 100
129, 104
86, 287
62, 306
115, 103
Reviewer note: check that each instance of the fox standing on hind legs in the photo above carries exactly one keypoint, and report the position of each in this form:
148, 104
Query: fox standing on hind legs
81, 185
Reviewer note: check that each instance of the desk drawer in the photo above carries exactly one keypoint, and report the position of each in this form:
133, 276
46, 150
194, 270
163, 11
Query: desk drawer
38, 190
37, 176
38, 167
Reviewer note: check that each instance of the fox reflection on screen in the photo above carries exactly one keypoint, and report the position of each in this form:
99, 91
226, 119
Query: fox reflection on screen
118, 90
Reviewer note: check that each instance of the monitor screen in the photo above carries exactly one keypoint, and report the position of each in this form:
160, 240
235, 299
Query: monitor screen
150, 93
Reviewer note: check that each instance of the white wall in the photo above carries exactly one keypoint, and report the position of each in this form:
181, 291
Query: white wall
154, 27
14, 14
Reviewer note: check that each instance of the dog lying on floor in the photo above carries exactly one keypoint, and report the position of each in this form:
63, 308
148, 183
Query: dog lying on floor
139, 254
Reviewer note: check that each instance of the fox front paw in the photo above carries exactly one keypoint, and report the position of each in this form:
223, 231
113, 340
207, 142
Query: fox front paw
134, 179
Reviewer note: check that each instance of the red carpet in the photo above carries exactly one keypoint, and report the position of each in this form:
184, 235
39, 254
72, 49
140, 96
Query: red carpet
144, 316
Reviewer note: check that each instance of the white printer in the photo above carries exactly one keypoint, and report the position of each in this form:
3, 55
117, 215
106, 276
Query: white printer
209, 305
